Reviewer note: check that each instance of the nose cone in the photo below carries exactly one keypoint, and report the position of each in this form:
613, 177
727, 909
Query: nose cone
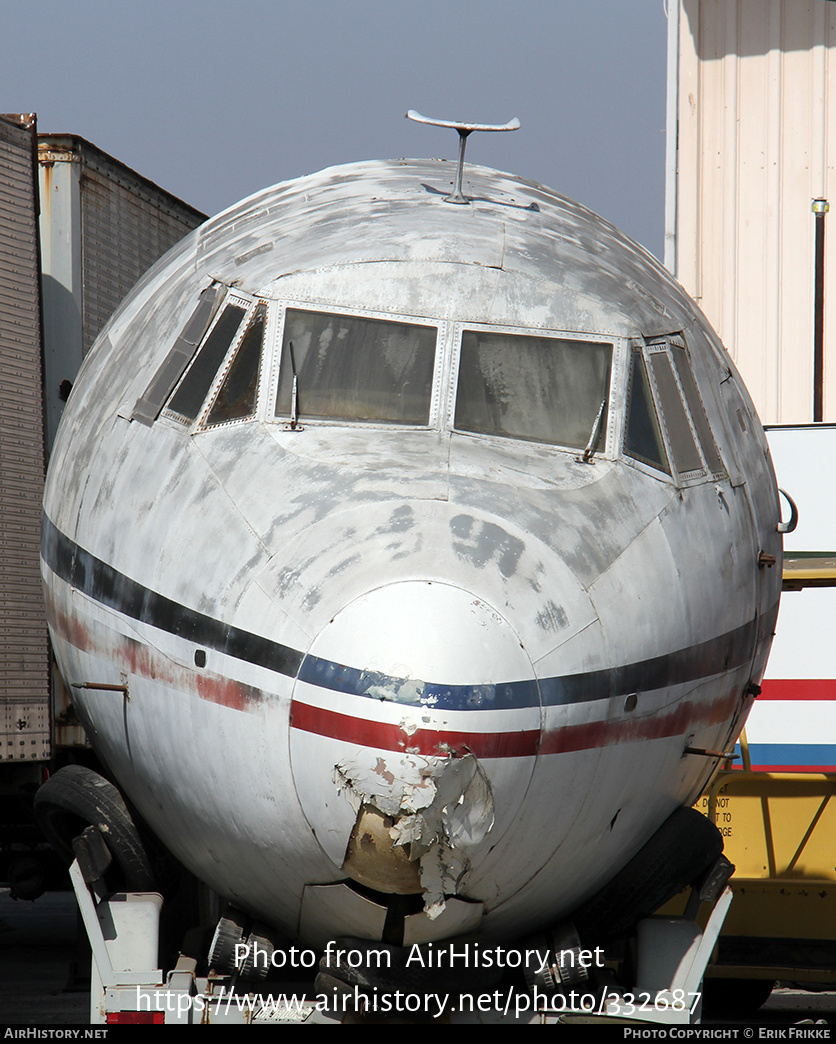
415, 723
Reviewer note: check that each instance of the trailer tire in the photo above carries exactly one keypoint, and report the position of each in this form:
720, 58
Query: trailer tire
678, 854
76, 797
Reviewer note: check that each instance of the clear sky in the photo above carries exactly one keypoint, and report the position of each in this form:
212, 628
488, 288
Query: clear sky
214, 100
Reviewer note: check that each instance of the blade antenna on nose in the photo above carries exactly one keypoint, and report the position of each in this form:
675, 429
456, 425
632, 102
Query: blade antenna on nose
464, 130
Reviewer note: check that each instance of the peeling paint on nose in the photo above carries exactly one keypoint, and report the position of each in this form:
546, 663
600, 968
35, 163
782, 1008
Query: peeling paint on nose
389, 699
418, 836
481, 542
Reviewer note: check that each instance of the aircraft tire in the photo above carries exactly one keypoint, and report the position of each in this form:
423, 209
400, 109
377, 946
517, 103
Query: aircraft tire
76, 797
680, 851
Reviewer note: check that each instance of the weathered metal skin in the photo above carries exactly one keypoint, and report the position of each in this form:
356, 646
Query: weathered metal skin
484, 649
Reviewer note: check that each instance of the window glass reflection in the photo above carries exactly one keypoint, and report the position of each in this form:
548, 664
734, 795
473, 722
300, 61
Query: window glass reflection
238, 394
353, 368
545, 389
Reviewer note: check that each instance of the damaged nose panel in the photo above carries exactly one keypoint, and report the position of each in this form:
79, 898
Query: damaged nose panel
393, 698
373, 860
413, 833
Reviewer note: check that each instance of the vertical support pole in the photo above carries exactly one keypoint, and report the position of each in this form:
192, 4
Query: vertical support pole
820, 208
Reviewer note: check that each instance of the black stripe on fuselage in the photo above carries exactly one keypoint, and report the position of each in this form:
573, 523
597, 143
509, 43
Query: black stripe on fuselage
104, 584
109, 587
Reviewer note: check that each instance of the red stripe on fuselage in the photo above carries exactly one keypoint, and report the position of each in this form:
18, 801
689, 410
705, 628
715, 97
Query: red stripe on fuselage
676, 721
386, 736
133, 657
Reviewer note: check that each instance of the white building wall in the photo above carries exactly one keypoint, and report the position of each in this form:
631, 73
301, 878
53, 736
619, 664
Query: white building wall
756, 144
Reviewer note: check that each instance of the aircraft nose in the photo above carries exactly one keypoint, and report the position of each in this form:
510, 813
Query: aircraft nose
414, 729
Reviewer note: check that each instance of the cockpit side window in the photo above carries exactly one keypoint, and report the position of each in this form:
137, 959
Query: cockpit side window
194, 387
683, 421
696, 408
685, 453
643, 437
537, 388
238, 394
353, 368
149, 404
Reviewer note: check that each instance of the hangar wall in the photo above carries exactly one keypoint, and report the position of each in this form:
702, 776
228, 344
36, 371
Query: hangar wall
756, 105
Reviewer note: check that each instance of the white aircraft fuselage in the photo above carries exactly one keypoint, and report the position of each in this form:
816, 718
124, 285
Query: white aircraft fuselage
456, 612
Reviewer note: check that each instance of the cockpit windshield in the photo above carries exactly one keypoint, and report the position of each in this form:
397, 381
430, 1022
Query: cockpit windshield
354, 368
544, 389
